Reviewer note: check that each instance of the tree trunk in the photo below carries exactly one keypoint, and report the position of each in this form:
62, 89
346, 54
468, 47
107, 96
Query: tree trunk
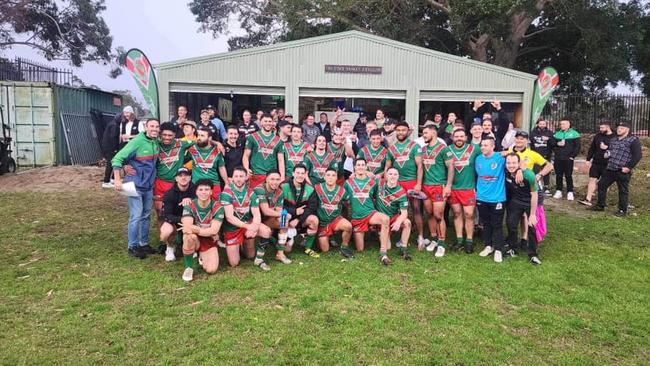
479, 47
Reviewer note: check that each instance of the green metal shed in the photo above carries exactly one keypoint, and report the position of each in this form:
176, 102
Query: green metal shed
344, 65
34, 111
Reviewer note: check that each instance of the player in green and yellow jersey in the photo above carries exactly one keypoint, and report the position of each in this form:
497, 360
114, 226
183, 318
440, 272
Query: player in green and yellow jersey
201, 222
362, 188
271, 201
436, 184
243, 221
261, 152
463, 195
391, 200
331, 197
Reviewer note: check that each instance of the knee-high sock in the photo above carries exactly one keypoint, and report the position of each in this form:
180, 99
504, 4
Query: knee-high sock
309, 241
261, 248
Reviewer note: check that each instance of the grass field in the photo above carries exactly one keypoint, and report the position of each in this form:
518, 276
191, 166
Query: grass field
71, 295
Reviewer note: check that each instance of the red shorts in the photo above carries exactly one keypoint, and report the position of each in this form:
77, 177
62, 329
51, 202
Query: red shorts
407, 184
234, 238
328, 230
256, 180
216, 191
206, 243
160, 187
362, 225
464, 197
434, 193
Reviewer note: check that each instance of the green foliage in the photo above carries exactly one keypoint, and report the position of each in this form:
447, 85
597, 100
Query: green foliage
591, 43
70, 30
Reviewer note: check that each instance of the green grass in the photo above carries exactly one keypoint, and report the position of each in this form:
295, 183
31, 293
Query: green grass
70, 295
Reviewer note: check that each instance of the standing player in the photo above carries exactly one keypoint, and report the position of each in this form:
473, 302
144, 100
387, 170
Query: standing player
405, 155
318, 161
243, 221
201, 222
271, 200
521, 205
436, 184
375, 154
340, 151
362, 188
294, 151
170, 158
301, 203
261, 153
331, 197
463, 196
207, 162
391, 200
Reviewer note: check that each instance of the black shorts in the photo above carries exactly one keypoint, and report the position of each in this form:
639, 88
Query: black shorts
597, 170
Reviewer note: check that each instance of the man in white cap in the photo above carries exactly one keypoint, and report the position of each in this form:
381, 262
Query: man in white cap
129, 125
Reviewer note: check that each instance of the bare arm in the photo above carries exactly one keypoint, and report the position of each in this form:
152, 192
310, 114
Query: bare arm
450, 178
213, 230
281, 165
268, 211
420, 173
245, 160
230, 216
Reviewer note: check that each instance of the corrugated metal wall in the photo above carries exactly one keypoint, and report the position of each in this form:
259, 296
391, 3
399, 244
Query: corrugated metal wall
33, 110
300, 64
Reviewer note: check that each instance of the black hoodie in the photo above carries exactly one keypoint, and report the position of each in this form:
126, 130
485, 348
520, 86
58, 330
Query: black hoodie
595, 152
537, 143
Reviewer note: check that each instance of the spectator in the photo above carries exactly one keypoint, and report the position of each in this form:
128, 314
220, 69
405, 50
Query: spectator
596, 159
541, 141
310, 130
496, 128
380, 118
567, 147
324, 126
217, 122
389, 132
128, 126
623, 155
246, 126
360, 130
181, 116
234, 150
206, 123
289, 118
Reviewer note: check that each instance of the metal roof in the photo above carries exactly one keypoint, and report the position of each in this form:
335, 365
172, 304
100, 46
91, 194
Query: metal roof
344, 35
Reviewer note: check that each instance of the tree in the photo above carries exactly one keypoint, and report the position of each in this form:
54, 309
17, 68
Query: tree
70, 30
520, 34
642, 54
129, 99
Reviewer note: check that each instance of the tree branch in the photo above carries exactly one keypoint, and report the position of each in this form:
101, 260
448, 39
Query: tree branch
442, 5
30, 44
530, 35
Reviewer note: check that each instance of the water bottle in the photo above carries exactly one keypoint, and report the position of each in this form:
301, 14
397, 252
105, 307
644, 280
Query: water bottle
283, 218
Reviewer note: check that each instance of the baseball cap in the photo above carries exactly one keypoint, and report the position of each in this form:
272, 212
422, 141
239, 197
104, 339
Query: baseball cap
521, 133
183, 171
289, 115
390, 121
429, 123
210, 106
128, 108
623, 124
188, 122
282, 123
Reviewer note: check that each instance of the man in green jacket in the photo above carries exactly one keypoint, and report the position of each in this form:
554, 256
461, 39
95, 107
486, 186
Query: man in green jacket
567, 147
141, 153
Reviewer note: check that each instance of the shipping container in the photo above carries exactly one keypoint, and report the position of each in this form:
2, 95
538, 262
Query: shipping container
36, 114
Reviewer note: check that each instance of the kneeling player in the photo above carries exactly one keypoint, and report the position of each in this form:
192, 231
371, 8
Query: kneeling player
361, 188
301, 203
201, 223
331, 197
270, 199
174, 200
243, 221
392, 201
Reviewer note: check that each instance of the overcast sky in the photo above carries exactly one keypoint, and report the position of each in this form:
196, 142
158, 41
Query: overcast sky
164, 30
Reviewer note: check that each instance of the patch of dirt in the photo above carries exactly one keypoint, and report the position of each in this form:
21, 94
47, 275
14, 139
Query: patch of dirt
53, 179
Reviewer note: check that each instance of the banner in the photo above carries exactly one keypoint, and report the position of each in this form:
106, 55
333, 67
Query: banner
546, 82
140, 68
